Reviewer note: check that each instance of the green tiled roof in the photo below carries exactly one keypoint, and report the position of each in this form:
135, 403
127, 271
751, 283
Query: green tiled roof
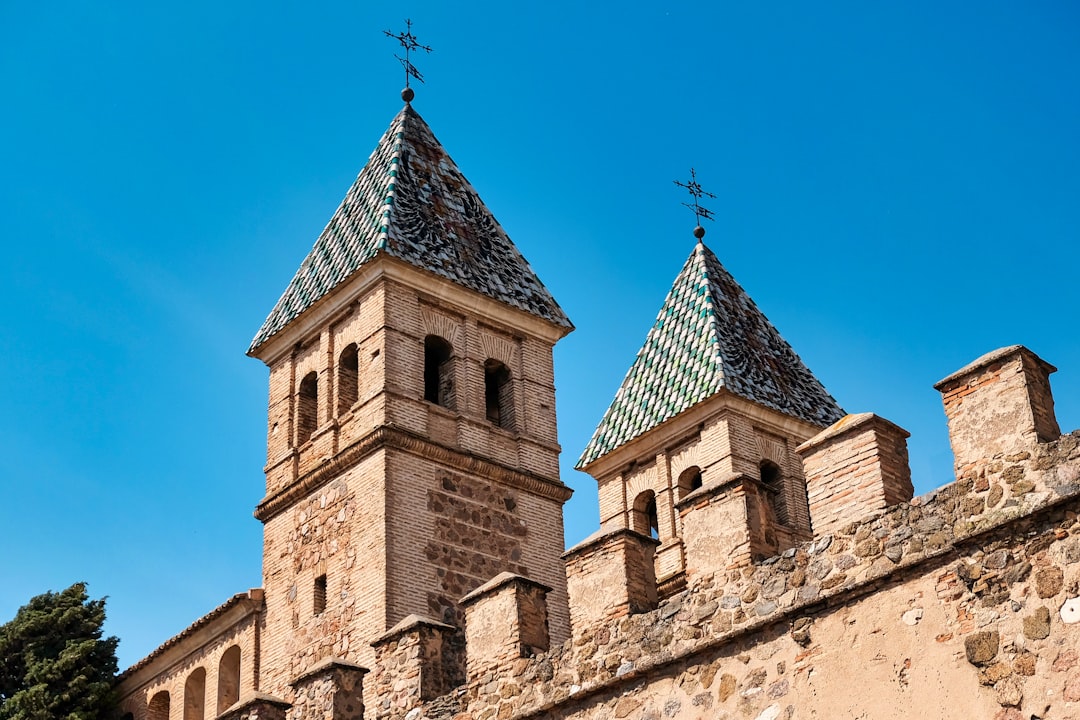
411, 201
708, 336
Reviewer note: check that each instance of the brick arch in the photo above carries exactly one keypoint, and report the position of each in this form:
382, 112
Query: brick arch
228, 679
436, 323
158, 707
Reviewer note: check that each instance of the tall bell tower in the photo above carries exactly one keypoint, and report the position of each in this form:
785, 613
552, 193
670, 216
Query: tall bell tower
412, 451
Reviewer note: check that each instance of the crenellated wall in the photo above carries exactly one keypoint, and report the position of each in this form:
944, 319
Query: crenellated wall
962, 603
958, 604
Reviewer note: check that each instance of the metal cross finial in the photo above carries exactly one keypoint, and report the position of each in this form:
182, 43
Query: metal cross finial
408, 41
694, 189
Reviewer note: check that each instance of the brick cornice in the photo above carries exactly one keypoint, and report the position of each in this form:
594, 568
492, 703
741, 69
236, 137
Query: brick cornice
390, 436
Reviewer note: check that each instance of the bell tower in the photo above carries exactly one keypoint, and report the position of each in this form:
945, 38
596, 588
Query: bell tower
412, 452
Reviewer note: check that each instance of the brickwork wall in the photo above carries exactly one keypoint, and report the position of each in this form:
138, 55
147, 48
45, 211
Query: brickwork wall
337, 530
455, 532
728, 443
136, 698
858, 467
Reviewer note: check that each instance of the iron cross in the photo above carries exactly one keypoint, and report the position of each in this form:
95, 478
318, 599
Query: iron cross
694, 188
408, 41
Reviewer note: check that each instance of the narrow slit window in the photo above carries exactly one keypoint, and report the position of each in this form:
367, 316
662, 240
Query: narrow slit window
320, 595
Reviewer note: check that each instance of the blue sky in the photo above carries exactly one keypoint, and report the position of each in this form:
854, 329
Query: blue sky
897, 188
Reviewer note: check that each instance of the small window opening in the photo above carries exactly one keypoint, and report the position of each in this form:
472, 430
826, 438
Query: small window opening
348, 375
773, 481
644, 518
689, 481
438, 371
320, 594
307, 408
498, 394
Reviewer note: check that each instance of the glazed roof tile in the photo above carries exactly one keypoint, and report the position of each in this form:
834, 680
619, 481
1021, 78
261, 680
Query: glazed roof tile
708, 336
410, 201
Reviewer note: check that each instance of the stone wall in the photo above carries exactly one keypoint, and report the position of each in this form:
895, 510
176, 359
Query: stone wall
960, 604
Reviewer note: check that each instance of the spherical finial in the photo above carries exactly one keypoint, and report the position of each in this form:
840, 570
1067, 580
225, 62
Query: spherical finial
699, 232
407, 94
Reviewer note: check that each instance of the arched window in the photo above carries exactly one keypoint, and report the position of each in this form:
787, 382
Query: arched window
773, 482
307, 408
643, 518
347, 376
498, 394
158, 709
438, 371
689, 481
228, 679
195, 695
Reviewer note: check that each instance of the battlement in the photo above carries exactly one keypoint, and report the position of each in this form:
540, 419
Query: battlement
992, 559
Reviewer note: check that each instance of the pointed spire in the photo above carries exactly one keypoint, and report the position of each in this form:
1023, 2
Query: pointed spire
411, 201
709, 336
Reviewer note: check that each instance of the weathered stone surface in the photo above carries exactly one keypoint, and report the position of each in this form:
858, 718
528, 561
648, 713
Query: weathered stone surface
981, 647
1071, 691
1037, 624
1048, 581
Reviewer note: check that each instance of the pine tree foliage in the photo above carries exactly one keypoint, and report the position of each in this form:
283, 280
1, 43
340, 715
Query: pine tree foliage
54, 664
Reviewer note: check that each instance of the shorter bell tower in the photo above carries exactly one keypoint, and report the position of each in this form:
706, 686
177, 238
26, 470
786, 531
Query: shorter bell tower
714, 406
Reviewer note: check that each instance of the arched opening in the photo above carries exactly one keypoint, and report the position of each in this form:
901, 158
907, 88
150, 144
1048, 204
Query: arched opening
643, 515
195, 695
228, 679
773, 482
158, 709
438, 371
348, 375
498, 394
689, 481
307, 408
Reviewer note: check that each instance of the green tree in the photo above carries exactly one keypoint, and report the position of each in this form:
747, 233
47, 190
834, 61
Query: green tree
54, 664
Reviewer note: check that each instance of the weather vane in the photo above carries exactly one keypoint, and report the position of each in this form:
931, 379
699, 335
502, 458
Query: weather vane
694, 188
408, 41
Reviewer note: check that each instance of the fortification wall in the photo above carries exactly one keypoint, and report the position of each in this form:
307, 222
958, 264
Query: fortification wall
959, 604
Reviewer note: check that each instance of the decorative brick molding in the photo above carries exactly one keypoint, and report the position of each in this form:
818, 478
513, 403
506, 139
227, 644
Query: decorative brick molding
401, 439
